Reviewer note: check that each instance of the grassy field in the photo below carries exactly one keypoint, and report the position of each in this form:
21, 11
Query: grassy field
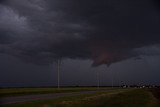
28, 91
110, 98
7, 92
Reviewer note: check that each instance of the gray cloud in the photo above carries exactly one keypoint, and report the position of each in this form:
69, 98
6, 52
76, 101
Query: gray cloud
106, 31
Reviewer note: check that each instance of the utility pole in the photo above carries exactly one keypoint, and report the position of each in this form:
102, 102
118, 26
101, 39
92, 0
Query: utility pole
112, 81
98, 79
58, 72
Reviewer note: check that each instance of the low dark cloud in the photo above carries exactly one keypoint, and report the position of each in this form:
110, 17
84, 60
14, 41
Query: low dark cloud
105, 31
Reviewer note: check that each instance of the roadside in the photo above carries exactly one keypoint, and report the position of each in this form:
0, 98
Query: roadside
111, 98
18, 99
9, 92
26, 98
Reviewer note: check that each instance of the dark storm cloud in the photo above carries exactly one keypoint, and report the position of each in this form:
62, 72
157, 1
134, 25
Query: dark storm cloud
157, 3
105, 31
2, 1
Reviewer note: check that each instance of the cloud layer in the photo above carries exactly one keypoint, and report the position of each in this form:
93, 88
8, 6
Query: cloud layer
105, 31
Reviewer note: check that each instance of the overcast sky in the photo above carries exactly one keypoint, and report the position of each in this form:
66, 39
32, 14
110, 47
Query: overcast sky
118, 38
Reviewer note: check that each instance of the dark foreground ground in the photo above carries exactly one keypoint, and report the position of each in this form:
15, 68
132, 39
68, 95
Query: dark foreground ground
111, 97
155, 92
19, 99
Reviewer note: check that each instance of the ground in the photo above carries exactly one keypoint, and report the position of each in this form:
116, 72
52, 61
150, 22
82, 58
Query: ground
111, 97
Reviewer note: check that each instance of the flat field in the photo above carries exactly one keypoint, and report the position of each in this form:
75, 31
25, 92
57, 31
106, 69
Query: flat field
114, 97
6, 92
